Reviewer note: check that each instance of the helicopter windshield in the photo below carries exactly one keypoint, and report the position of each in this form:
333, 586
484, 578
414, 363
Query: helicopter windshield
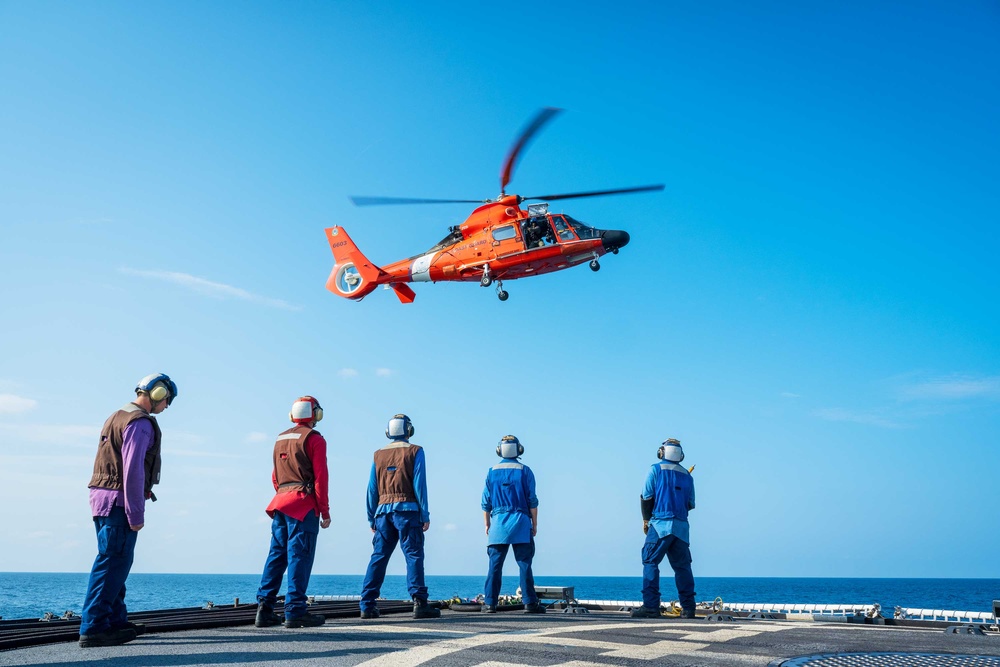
582, 230
454, 236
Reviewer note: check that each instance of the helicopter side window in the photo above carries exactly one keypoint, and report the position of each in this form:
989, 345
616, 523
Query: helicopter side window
562, 229
504, 233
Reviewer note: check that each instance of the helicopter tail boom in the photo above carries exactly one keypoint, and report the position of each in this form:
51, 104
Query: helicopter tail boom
353, 276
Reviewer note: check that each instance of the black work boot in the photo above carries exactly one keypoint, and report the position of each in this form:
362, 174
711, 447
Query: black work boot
489, 609
370, 613
423, 610
688, 613
266, 618
140, 628
306, 620
534, 608
107, 638
645, 612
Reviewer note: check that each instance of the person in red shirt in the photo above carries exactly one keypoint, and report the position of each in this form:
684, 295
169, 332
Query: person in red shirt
300, 507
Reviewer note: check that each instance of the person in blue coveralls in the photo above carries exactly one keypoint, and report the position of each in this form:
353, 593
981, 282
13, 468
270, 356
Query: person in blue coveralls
398, 513
510, 509
667, 498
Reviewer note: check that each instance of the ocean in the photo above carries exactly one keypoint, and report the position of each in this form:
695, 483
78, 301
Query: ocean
30, 595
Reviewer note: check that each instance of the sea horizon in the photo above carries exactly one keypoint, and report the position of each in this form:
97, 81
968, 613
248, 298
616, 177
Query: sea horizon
32, 594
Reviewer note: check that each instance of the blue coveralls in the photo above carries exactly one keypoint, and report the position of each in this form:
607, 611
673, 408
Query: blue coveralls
509, 497
397, 523
672, 488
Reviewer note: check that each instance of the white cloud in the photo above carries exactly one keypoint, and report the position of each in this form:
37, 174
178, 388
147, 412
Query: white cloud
868, 418
952, 388
12, 405
46, 434
347, 373
38, 534
450, 527
256, 436
788, 394
383, 372
209, 288
200, 453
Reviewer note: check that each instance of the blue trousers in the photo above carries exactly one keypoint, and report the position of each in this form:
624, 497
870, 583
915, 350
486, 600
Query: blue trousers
104, 606
406, 529
679, 554
293, 547
523, 553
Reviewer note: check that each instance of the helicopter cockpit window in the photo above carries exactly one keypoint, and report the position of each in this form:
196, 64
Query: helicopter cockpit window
454, 236
537, 233
504, 233
563, 229
582, 230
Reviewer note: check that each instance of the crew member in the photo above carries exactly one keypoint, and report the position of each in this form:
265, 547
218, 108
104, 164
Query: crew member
300, 507
398, 512
667, 498
510, 510
125, 469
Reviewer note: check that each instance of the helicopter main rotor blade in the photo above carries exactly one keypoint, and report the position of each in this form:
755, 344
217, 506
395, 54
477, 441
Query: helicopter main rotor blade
598, 193
530, 130
382, 201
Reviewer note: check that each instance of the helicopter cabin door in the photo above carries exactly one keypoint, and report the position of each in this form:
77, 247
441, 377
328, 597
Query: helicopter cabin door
506, 240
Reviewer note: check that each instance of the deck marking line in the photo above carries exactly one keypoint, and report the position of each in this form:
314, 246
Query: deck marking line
420, 654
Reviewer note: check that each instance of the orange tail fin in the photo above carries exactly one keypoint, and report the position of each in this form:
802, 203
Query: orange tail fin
353, 276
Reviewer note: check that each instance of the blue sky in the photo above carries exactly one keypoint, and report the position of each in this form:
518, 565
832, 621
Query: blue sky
810, 305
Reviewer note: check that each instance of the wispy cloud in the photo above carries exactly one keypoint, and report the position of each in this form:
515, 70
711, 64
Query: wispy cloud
347, 373
383, 372
788, 394
202, 454
868, 418
951, 388
69, 435
10, 404
450, 527
256, 436
209, 288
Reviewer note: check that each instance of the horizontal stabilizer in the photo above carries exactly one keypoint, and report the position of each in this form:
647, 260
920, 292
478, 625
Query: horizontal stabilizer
403, 291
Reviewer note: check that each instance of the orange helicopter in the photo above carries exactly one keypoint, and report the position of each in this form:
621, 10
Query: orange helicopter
498, 241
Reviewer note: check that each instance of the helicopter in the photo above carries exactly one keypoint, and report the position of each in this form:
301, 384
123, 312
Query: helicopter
498, 241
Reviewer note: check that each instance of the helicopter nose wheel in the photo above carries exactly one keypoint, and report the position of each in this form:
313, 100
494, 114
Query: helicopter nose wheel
501, 293
487, 279
595, 265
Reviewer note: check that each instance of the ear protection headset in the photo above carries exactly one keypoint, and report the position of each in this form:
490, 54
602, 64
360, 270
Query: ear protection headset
399, 428
510, 447
305, 410
158, 386
671, 451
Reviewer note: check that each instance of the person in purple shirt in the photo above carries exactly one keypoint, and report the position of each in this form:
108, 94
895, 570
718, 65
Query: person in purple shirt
126, 467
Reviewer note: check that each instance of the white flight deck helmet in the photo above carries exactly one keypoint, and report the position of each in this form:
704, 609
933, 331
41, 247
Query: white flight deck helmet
510, 447
399, 428
670, 451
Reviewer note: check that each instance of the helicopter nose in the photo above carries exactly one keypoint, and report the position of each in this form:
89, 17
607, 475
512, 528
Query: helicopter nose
613, 239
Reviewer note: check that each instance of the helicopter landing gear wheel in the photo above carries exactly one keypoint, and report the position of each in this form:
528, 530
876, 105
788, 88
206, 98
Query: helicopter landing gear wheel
614, 251
487, 279
595, 265
501, 293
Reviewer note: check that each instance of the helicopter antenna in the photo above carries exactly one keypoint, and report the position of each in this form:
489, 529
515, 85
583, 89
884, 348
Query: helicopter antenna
529, 131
